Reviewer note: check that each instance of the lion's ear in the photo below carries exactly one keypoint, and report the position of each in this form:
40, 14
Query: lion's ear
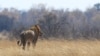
38, 27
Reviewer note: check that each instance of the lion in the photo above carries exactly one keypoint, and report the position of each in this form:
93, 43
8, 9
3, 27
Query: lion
29, 36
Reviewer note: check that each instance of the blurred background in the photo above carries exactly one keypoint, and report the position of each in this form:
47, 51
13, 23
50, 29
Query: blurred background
73, 19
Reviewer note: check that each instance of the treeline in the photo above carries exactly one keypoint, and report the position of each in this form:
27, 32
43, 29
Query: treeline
66, 24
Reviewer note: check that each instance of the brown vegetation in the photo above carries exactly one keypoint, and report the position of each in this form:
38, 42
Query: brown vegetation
52, 48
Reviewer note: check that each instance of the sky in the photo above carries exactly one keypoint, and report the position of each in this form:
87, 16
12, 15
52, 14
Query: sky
57, 4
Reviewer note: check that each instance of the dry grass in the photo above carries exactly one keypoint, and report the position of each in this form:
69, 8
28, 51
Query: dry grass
52, 48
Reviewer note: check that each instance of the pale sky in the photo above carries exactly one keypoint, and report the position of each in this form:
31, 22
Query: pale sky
57, 4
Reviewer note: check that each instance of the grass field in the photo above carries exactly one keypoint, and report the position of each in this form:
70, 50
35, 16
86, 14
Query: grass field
52, 48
